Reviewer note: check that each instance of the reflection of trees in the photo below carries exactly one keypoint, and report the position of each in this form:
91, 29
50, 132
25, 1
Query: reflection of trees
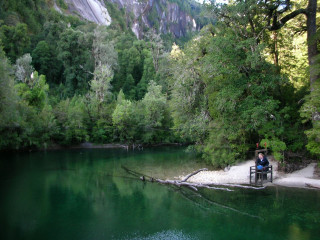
109, 195
24, 216
164, 164
295, 207
89, 193
296, 233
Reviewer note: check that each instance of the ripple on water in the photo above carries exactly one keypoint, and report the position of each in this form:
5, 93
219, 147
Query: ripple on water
163, 235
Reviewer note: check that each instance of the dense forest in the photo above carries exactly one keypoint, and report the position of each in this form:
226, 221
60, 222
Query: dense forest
250, 76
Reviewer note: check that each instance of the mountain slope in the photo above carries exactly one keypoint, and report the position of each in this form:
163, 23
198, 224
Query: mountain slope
165, 16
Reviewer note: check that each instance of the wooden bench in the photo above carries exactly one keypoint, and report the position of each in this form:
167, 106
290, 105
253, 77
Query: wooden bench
260, 174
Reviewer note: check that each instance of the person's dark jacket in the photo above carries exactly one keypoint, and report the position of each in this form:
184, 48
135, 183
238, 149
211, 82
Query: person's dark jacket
264, 162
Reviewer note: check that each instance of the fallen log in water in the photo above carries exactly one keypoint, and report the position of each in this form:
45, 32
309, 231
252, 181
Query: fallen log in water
312, 186
184, 182
195, 186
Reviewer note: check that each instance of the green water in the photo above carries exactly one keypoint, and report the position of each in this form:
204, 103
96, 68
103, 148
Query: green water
85, 194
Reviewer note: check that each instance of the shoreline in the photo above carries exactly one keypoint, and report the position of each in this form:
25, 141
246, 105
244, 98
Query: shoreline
239, 174
90, 145
308, 177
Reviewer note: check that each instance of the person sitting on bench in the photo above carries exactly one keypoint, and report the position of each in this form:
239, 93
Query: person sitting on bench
262, 162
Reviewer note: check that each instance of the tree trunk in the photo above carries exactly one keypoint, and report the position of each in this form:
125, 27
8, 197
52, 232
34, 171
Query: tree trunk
275, 50
310, 12
312, 42
313, 50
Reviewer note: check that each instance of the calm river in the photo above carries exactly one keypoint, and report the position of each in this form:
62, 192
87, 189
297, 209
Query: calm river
85, 194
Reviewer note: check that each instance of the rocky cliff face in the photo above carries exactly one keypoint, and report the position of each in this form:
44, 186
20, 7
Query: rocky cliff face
163, 15
92, 10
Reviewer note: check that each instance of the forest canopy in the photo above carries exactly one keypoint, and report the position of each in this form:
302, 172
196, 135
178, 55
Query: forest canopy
251, 77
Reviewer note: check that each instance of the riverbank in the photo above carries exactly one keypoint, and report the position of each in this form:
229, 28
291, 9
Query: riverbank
239, 174
89, 145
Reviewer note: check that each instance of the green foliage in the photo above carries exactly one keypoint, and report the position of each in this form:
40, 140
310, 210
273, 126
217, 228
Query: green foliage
35, 91
117, 16
146, 121
41, 56
218, 149
188, 101
277, 147
102, 132
310, 113
26, 118
100, 85
8, 96
74, 52
154, 106
30, 12
15, 40
123, 119
24, 69
222, 91
135, 69
44, 61
147, 76
226, 80
62, 4
71, 118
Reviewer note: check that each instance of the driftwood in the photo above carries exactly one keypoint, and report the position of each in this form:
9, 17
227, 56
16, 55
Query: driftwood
193, 186
178, 183
194, 173
312, 186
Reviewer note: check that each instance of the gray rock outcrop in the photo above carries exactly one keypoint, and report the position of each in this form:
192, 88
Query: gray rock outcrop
163, 15
167, 15
92, 10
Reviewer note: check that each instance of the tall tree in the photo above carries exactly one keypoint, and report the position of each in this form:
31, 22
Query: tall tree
188, 101
264, 16
24, 68
272, 15
123, 119
106, 61
154, 108
15, 40
8, 96
279, 14
74, 52
156, 45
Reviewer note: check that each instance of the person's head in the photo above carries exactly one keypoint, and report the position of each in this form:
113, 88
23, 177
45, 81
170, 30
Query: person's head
261, 155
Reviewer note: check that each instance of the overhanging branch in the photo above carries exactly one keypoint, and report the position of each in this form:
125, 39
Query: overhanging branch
279, 24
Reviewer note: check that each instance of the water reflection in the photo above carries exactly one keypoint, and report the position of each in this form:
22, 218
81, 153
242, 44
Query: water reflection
87, 195
296, 233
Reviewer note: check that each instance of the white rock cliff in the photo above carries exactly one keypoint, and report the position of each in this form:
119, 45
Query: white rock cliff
92, 10
167, 15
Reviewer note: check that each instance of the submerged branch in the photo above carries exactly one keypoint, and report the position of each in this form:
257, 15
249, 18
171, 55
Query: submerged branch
232, 209
193, 186
312, 186
179, 183
201, 197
